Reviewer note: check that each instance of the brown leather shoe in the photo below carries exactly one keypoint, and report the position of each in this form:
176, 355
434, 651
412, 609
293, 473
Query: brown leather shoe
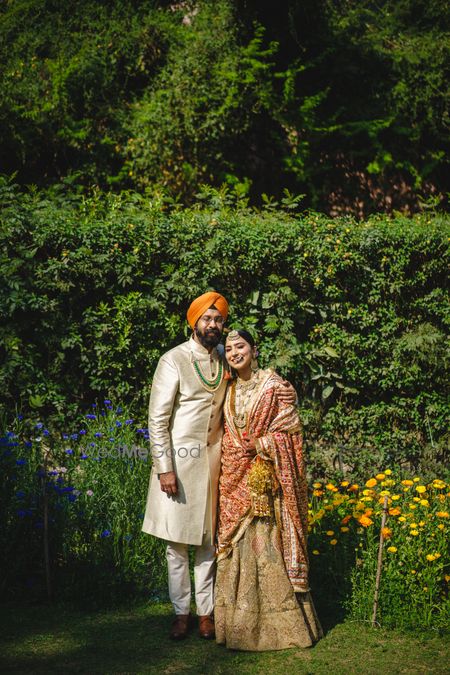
180, 627
206, 627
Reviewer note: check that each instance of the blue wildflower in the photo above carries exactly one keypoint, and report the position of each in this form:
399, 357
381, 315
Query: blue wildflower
69, 451
20, 494
20, 417
106, 533
91, 417
98, 434
28, 444
21, 462
46, 432
83, 456
72, 498
74, 437
65, 436
118, 424
94, 405
21, 513
129, 421
107, 401
82, 432
39, 425
119, 409
92, 445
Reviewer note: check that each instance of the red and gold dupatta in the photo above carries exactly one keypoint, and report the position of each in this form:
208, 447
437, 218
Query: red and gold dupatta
276, 427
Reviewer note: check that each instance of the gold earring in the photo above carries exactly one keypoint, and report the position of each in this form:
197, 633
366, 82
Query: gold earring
254, 364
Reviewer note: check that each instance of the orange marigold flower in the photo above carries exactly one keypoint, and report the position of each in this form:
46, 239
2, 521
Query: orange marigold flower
317, 493
333, 542
386, 532
380, 476
345, 520
365, 521
353, 488
330, 533
344, 483
442, 514
407, 482
331, 487
371, 482
396, 511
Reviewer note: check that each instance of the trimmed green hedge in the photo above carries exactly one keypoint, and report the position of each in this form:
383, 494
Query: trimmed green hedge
94, 289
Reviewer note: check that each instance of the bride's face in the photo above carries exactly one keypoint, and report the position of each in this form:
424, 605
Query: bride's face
239, 354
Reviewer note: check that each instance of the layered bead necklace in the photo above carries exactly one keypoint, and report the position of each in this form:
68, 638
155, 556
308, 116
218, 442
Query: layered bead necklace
209, 385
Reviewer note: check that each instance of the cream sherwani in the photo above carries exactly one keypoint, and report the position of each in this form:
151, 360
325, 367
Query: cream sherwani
185, 426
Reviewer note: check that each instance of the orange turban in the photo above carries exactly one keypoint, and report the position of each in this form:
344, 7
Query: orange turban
204, 302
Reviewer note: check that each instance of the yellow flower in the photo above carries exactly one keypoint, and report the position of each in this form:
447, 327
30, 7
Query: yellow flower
407, 482
416, 499
385, 493
413, 506
438, 484
317, 486
395, 497
315, 552
430, 557
388, 472
371, 482
447, 578
424, 502
422, 523
331, 487
402, 519
366, 499
330, 533
442, 514
421, 489
392, 549
367, 493
425, 588
353, 488
345, 529
317, 493
441, 526
414, 533
413, 572
413, 525
344, 483
380, 476
416, 479
333, 542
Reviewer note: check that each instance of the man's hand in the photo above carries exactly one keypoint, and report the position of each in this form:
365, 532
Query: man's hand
288, 394
168, 483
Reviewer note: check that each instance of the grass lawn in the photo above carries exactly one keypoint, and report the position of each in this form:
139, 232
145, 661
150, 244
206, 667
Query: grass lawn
63, 639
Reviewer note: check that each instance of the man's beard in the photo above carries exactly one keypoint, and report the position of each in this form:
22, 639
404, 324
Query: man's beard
210, 338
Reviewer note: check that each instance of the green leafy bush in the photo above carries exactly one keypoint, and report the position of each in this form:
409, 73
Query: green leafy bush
95, 289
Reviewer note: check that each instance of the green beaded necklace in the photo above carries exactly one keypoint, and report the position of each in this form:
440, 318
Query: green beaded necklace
209, 385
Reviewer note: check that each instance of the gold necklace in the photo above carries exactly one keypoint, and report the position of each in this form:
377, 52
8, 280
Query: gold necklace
241, 395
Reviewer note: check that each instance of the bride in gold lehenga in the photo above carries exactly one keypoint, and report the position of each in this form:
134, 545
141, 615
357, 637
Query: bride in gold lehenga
262, 593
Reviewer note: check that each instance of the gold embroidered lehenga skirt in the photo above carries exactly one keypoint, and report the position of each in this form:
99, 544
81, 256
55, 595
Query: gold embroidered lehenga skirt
256, 608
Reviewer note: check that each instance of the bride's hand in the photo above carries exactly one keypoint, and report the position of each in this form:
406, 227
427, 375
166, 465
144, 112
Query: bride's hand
249, 445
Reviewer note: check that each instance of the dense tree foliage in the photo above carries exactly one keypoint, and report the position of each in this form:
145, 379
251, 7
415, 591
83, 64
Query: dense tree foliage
342, 102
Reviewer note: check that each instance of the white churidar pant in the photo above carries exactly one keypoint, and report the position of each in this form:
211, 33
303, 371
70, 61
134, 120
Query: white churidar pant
180, 581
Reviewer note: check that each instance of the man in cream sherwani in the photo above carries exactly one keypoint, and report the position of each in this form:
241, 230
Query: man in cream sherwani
185, 425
